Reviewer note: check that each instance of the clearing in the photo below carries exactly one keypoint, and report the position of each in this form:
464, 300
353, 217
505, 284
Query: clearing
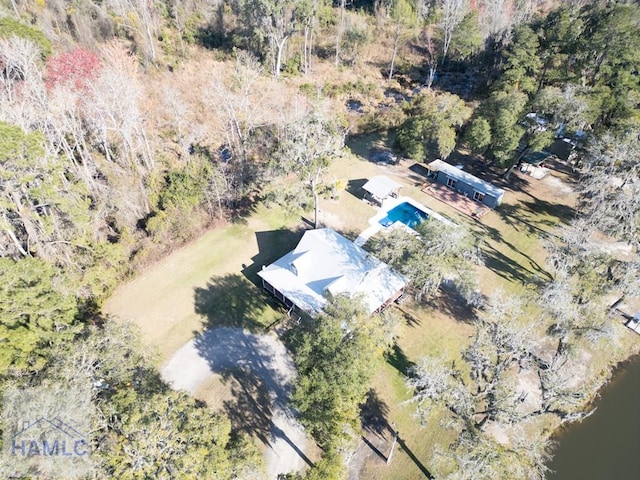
208, 284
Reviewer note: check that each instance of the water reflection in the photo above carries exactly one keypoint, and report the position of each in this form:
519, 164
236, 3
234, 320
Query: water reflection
607, 444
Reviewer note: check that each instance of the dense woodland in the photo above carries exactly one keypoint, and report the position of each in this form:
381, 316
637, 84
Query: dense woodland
128, 127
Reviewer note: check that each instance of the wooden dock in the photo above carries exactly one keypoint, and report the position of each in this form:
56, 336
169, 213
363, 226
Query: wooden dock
627, 310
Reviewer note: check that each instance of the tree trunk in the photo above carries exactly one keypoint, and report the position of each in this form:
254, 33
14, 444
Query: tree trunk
311, 41
316, 209
516, 163
510, 171
340, 31
431, 76
278, 64
396, 41
543, 75
445, 48
150, 35
305, 57
13, 237
27, 222
316, 198
431, 58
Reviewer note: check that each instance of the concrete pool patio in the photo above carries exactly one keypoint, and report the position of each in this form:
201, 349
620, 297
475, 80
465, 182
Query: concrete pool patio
390, 204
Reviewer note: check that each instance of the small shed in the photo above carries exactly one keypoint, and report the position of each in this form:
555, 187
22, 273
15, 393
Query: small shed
380, 188
536, 158
465, 184
562, 148
532, 164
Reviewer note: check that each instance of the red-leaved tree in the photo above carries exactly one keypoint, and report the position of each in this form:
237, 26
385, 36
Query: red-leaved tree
77, 68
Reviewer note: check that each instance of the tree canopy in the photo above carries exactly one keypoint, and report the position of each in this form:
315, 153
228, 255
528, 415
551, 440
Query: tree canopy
127, 128
335, 353
439, 253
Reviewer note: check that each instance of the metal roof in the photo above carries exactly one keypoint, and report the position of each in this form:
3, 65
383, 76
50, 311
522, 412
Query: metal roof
536, 158
381, 186
325, 261
475, 182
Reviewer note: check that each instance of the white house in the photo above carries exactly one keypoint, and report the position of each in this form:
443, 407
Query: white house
325, 261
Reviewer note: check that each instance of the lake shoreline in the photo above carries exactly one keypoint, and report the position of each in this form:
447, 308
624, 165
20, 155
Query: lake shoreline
584, 433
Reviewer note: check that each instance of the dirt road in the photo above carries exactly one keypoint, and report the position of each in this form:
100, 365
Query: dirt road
219, 349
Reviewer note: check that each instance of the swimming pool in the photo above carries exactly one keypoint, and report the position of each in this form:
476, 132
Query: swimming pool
405, 213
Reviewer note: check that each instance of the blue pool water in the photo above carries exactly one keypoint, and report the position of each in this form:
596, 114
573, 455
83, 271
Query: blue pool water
405, 213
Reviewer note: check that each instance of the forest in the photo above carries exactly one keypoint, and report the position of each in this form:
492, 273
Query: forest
130, 127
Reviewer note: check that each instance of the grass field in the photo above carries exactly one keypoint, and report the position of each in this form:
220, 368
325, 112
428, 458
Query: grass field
429, 330
512, 244
212, 281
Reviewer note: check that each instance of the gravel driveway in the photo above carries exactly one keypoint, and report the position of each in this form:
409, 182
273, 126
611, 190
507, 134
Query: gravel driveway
219, 349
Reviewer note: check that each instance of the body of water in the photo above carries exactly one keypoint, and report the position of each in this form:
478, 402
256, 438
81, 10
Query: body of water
605, 446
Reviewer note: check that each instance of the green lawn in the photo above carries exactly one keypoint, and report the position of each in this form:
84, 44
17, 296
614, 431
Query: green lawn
512, 242
213, 281
210, 281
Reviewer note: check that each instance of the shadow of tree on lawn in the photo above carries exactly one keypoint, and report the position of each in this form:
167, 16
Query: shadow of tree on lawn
453, 303
373, 414
230, 300
534, 216
410, 319
399, 360
505, 267
562, 212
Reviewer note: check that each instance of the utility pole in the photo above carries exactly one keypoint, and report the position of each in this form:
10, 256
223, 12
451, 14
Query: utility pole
393, 444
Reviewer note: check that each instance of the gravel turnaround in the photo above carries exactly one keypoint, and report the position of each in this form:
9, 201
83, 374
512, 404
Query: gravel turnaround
219, 349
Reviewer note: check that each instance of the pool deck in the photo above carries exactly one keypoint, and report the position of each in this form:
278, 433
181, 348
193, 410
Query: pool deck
387, 205
461, 203
367, 234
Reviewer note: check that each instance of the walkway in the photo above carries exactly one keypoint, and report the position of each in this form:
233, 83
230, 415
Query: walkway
367, 234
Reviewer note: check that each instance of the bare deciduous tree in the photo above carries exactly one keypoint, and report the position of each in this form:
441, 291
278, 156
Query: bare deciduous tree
452, 12
402, 13
610, 188
434, 382
432, 56
242, 113
22, 90
305, 148
116, 123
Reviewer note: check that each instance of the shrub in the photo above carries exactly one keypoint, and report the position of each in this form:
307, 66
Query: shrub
10, 28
